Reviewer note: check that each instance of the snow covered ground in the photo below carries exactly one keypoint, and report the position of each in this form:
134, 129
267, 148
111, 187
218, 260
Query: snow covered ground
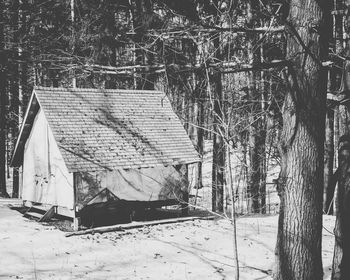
190, 250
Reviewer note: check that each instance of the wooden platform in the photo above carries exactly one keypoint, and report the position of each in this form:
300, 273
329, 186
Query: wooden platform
45, 207
40, 215
33, 215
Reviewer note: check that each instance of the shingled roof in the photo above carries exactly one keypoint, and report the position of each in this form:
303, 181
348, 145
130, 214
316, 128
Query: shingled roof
98, 129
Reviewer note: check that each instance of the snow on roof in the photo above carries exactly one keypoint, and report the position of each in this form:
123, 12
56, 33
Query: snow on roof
99, 129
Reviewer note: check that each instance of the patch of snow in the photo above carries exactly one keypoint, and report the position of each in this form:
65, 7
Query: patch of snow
198, 249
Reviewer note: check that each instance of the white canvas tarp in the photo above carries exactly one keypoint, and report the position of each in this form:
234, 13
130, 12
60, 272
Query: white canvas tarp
45, 176
144, 184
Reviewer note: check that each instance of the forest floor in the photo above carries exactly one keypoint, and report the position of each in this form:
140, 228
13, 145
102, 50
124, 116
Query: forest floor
200, 249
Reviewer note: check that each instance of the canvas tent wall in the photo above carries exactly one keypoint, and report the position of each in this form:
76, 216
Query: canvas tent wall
46, 178
73, 141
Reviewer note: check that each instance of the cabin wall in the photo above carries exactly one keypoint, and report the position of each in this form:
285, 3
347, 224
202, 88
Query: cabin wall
146, 184
45, 176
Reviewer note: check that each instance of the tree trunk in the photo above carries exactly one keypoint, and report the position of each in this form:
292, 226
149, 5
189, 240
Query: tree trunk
3, 101
111, 80
300, 184
218, 141
257, 130
142, 17
14, 108
332, 120
253, 79
262, 166
336, 136
185, 190
328, 192
341, 258
257, 147
196, 129
3, 132
254, 168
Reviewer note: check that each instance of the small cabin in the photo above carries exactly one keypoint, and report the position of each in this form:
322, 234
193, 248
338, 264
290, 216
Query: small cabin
79, 147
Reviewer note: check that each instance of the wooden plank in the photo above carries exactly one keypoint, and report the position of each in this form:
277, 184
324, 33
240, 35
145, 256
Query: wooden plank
33, 215
137, 225
48, 215
63, 211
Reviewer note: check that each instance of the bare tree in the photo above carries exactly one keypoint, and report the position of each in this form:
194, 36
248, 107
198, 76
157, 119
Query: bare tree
14, 89
3, 100
218, 141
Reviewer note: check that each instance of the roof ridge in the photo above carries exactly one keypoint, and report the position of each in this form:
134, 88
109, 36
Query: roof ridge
63, 89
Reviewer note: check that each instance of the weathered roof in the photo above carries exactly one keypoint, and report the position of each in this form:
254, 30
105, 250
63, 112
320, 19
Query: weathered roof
98, 129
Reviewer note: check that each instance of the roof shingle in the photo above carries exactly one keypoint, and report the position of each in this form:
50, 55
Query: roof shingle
98, 129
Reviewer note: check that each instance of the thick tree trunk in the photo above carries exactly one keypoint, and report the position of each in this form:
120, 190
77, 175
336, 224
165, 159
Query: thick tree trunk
257, 149
257, 130
257, 162
218, 174
253, 147
328, 192
341, 258
300, 185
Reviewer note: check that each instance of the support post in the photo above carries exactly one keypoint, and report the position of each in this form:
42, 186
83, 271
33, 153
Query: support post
185, 191
76, 182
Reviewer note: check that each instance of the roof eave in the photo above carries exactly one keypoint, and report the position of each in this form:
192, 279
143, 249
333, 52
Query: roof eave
101, 168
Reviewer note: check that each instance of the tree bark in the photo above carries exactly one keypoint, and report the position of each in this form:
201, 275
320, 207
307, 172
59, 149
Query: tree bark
143, 17
254, 168
14, 108
3, 101
257, 129
253, 78
328, 192
111, 80
300, 184
185, 191
3, 132
218, 141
